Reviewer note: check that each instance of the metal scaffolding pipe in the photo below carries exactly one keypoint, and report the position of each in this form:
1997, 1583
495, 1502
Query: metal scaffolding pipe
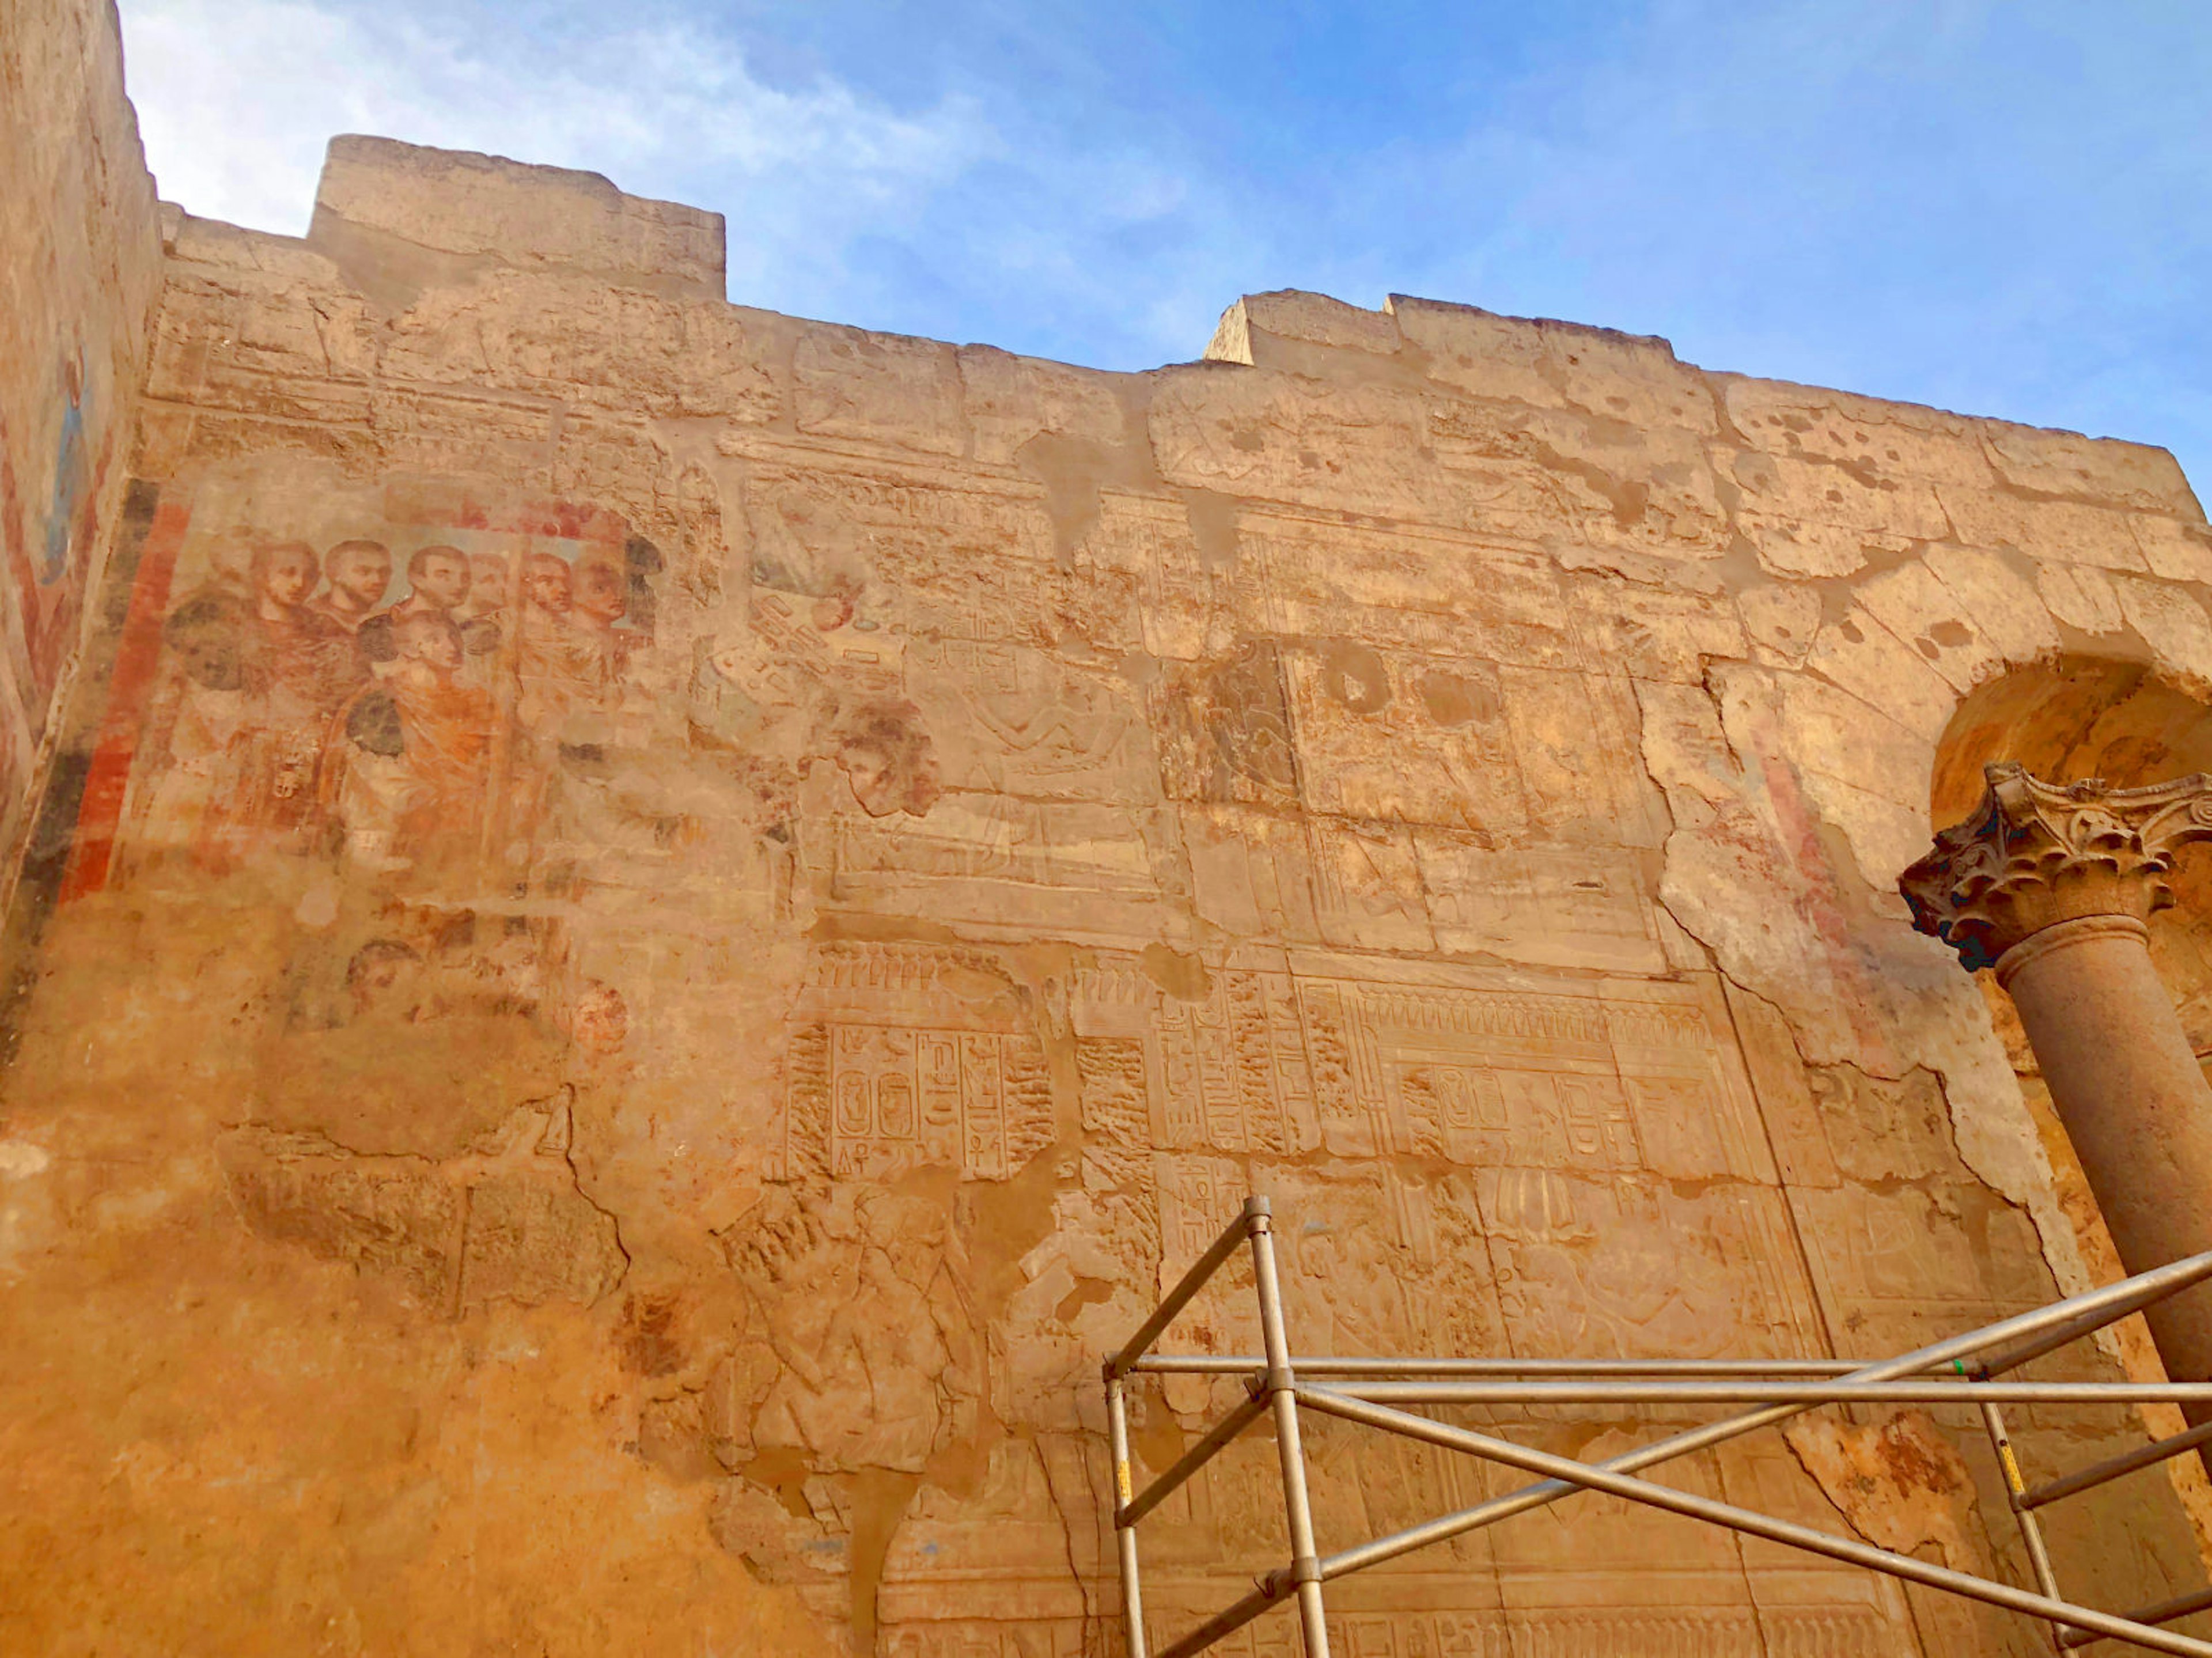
2163, 1613
1230, 1619
1215, 1364
1586, 1476
1189, 1285
2079, 1313
2031, 1529
2097, 1473
1792, 1385
1125, 1540
1803, 1393
1192, 1461
1282, 1394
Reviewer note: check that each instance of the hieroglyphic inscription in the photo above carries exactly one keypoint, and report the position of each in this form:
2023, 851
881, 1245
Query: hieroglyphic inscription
1583, 907
1228, 1072
941, 554
1014, 720
1225, 731
1902, 1265
909, 1057
1405, 740
902, 1098
1695, 1115
1586, 1116
1428, 1632
1143, 581
1435, 594
1509, 751
1377, 1257
1269, 1061
1083, 868
1633, 1265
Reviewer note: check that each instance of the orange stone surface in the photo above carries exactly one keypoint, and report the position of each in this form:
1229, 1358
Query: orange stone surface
639, 929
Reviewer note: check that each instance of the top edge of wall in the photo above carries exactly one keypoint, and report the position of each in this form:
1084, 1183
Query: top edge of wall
460, 203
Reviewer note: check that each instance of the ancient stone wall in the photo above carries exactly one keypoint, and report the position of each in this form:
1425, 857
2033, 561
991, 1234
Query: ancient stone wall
80, 265
676, 917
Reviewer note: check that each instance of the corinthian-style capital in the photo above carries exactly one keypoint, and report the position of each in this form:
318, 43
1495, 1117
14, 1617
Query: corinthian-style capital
2034, 853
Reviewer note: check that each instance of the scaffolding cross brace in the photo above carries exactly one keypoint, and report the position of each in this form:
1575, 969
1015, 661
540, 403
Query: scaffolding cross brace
1961, 1369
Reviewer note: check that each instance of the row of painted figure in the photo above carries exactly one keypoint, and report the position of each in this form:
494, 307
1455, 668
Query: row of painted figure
302, 709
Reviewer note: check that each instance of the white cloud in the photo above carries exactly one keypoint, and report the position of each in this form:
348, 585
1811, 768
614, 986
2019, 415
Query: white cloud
1991, 206
237, 99
994, 213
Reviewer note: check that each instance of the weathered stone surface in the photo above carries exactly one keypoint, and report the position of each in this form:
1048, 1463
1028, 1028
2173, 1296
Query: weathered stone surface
1557, 365
901, 392
451, 202
2130, 475
2068, 532
1250, 331
657, 924
80, 266
1831, 480
1901, 1483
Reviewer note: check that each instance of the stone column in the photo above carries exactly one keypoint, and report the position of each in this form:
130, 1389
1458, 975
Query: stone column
2052, 886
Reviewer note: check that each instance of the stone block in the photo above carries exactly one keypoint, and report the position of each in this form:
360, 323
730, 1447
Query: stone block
1251, 328
487, 207
2066, 531
2103, 471
1599, 371
878, 388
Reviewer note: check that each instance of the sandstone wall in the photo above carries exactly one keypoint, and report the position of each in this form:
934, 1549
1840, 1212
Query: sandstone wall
79, 264
614, 1091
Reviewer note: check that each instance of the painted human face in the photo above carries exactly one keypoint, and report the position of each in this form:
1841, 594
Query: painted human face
204, 632
487, 581
362, 573
547, 583
440, 578
601, 1024
602, 593
435, 641
886, 779
288, 575
870, 773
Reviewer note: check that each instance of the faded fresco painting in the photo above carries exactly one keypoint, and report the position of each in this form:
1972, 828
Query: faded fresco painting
53, 483
394, 702
80, 269
451, 730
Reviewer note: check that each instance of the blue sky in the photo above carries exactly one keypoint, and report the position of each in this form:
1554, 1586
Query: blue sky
2003, 208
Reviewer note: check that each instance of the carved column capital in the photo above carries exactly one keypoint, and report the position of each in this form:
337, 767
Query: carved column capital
2035, 853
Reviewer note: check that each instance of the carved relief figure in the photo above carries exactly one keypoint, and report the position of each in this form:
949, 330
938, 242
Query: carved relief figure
860, 1297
